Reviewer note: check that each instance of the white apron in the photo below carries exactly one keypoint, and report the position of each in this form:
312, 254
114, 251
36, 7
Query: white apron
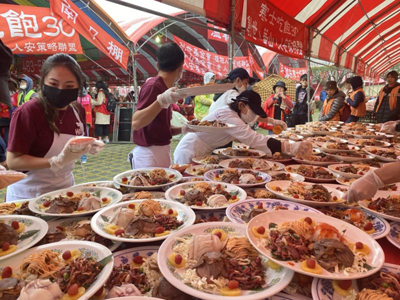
42, 181
183, 155
151, 157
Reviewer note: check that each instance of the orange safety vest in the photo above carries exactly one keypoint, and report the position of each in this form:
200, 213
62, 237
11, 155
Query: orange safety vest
327, 107
360, 110
392, 98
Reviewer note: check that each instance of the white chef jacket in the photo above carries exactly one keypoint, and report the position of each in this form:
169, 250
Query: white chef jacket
203, 143
223, 101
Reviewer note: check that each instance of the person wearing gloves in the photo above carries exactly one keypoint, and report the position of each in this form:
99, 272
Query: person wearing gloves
277, 107
333, 104
42, 132
391, 127
202, 103
152, 120
243, 112
387, 107
241, 78
366, 187
356, 100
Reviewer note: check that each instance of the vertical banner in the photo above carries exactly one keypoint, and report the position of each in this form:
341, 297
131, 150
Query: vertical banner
34, 30
91, 31
291, 73
269, 27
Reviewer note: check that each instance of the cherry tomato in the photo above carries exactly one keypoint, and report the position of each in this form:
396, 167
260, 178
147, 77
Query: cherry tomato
233, 284
258, 178
131, 206
159, 230
15, 225
124, 179
361, 173
359, 245
260, 205
219, 186
345, 284
199, 203
234, 197
46, 203
261, 230
119, 232
80, 208
235, 181
170, 211
5, 246
104, 199
171, 176
368, 226
311, 263
218, 234
70, 194
216, 175
308, 220
138, 260
296, 196
178, 259
278, 189
67, 255
6, 273
73, 289
394, 188
182, 192
334, 198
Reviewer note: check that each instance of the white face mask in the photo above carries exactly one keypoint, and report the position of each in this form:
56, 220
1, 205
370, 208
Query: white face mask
23, 86
250, 117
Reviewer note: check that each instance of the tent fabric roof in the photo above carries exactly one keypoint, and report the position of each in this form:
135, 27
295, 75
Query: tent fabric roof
355, 34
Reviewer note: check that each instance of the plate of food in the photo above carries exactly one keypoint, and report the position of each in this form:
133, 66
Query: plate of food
143, 195
19, 207
206, 159
384, 154
282, 175
352, 156
305, 193
200, 170
189, 258
242, 212
148, 178
19, 233
252, 163
375, 226
238, 177
259, 193
339, 147
75, 201
280, 157
386, 207
291, 136
63, 270
191, 179
139, 221
342, 135
318, 159
206, 195
76, 229
367, 134
209, 126
354, 170
237, 153
323, 246
210, 216
369, 142
312, 173
394, 234
383, 285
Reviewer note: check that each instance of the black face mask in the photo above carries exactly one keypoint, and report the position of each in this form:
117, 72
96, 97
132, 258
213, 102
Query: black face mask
60, 98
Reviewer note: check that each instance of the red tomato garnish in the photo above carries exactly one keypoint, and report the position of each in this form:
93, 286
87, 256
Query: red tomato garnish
234, 197
171, 176
73, 289
104, 199
261, 229
260, 205
70, 194
159, 230
218, 186
178, 259
80, 208
125, 179
6, 273
131, 206
311, 263
66, 255
170, 211
138, 260
308, 220
15, 225
359, 245
182, 192
258, 178
368, 226
345, 284
46, 203
5, 246
199, 203
233, 284
218, 234
119, 232
296, 196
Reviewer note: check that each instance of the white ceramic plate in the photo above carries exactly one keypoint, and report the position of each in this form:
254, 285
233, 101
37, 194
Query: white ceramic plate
354, 142
284, 184
269, 165
315, 163
369, 149
348, 175
375, 258
219, 151
193, 170
30, 223
102, 219
258, 153
212, 176
155, 194
114, 196
173, 194
174, 175
205, 89
191, 179
72, 221
352, 159
126, 256
381, 226
284, 296
350, 148
394, 234
364, 204
276, 280
236, 210
104, 183
203, 161
211, 129
322, 288
210, 216
293, 169
87, 249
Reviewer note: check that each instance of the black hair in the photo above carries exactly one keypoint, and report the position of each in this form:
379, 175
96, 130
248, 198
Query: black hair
169, 57
393, 74
235, 106
101, 85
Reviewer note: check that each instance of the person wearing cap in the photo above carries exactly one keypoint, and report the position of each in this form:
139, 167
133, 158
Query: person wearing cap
277, 107
152, 120
243, 112
202, 103
333, 104
300, 110
387, 107
356, 100
242, 79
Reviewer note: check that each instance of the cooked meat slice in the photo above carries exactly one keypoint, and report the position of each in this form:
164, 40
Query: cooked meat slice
54, 235
141, 225
62, 206
250, 214
8, 234
165, 290
212, 264
331, 252
193, 196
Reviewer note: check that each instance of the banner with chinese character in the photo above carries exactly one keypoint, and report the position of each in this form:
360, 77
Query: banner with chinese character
91, 31
255, 67
216, 35
268, 26
200, 61
291, 73
34, 30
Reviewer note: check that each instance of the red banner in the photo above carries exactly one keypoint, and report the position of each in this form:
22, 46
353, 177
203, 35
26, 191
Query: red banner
292, 73
360, 69
91, 31
216, 35
255, 67
268, 26
31, 64
34, 30
200, 61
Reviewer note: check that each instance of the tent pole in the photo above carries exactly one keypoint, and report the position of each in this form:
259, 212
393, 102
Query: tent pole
308, 88
135, 85
231, 45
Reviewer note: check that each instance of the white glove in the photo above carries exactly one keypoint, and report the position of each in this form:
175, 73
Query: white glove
67, 156
299, 149
277, 123
186, 128
364, 188
168, 97
389, 127
96, 147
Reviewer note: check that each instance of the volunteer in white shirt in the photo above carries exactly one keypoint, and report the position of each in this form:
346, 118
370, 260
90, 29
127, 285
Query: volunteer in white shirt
243, 112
